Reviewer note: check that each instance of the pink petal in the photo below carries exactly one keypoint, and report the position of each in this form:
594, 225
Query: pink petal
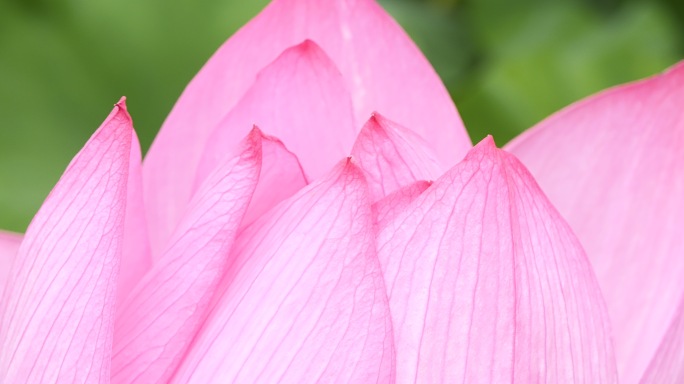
488, 284
9, 245
307, 301
60, 298
382, 69
135, 259
667, 365
156, 325
612, 164
281, 176
300, 98
392, 156
395, 203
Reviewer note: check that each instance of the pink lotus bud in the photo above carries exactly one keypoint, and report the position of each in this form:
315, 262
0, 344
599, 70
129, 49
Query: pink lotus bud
313, 211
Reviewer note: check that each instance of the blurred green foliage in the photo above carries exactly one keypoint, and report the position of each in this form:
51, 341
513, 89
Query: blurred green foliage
507, 65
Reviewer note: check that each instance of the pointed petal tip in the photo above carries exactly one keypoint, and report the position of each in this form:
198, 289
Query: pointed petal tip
121, 103
488, 142
376, 117
254, 139
256, 133
485, 149
349, 169
121, 108
488, 155
379, 123
118, 119
307, 45
393, 156
348, 164
376, 122
266, 139
307, 48
118, 123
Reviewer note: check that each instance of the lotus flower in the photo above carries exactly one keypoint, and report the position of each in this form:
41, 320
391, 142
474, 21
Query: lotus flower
355, 235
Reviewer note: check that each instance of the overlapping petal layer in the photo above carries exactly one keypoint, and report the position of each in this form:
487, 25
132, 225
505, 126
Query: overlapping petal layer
487, 283
395, 203
156, 325
372, 275
392, 156
370, 50
301, 99
612, 165
281, 176
59, 301
306, 300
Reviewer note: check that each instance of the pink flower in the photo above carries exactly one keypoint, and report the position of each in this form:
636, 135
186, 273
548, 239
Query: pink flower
233, 256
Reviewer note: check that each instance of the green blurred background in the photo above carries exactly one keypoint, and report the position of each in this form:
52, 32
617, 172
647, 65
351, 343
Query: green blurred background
507, 65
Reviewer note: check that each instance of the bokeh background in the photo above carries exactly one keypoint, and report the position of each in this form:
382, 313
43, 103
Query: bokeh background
507, 64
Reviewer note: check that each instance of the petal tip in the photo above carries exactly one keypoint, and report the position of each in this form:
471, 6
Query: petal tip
253, 142
307, 48
120, 112
376, 122
256, 133
349, 167
376, 117
121, 103
488, 142
486, 148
